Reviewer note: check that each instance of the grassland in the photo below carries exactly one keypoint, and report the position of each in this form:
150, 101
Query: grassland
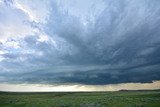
82, 99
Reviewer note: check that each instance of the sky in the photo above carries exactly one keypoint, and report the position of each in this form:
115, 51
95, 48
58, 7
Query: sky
79, 45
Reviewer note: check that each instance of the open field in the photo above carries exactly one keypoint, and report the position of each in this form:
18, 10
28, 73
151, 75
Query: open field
81, 99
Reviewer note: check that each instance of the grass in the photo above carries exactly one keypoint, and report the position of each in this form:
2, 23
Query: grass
81, 99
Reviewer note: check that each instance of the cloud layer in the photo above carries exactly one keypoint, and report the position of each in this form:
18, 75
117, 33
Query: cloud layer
82, 42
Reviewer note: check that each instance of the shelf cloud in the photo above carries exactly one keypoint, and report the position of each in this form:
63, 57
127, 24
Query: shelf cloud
86, 42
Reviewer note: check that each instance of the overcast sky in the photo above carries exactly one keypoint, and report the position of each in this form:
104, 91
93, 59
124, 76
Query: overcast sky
84, 42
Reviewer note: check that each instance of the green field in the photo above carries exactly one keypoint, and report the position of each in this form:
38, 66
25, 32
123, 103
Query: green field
82, 99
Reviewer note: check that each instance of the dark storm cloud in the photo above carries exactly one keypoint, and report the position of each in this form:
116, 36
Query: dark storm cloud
120, 44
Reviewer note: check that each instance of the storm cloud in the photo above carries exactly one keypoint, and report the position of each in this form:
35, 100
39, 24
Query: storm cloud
82, 42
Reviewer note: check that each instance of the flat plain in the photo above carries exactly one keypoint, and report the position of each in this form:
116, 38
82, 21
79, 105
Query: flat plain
81, 99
